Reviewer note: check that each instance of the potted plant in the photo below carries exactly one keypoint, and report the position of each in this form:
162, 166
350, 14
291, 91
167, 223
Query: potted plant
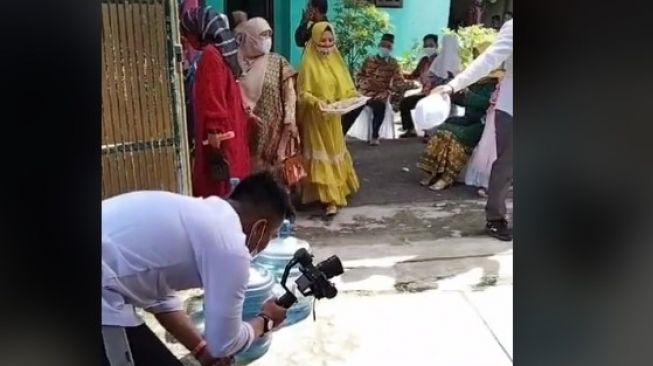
358, 25
470, 37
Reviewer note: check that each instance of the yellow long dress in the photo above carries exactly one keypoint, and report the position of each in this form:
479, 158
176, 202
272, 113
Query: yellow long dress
324, 78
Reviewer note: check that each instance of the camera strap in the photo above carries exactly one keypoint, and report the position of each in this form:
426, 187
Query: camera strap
314, 304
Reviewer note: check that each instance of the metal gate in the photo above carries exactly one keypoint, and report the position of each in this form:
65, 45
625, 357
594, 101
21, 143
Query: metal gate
144, 142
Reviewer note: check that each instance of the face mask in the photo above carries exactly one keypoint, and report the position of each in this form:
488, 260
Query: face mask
259, 226
430, 51
325, 51
384, 52
266, 46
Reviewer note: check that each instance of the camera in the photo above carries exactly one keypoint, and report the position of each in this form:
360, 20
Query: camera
314, 280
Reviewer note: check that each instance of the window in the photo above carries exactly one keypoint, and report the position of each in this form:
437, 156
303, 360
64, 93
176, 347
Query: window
389, 3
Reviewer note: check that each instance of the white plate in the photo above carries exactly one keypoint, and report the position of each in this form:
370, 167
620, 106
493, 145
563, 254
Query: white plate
359, 102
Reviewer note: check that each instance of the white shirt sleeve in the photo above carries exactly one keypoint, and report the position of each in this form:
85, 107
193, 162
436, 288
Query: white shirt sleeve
225, 274
166, 305
488, 61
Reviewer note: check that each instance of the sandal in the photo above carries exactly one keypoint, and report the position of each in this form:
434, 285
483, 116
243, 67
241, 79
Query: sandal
439, 185
331, 210
482, 192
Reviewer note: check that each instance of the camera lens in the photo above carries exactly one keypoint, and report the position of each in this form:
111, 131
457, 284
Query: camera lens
331, 267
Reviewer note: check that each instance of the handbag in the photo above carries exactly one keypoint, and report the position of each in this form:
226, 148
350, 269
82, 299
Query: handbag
219, 167
292, 166
292, 163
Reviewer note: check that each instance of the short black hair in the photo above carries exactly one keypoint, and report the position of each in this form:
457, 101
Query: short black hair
321, 5
434, 37
388, 37
263, 190
507, 13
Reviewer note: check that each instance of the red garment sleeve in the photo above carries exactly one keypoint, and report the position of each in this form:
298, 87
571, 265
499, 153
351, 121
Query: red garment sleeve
210, 92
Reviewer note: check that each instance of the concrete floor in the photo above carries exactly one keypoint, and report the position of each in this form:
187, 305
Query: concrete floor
451, 328
440, 302
422, 285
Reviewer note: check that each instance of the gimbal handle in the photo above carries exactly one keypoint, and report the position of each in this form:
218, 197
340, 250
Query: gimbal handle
287, 300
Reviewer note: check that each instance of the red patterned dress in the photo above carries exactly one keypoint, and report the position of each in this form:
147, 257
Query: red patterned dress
218, 108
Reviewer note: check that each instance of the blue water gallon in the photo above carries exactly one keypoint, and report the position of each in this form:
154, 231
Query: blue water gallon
274, 258
259, 289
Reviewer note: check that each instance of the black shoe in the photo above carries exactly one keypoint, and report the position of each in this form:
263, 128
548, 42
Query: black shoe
499, 230
408, 134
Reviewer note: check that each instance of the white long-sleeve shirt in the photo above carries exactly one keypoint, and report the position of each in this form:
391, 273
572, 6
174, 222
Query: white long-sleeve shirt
156, 243
500, 51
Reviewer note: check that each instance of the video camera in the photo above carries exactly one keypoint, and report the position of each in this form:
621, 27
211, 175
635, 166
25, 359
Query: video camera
314, 280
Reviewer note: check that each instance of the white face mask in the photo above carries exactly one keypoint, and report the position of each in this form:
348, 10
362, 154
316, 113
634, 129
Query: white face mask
430, 51
384, 52
266, 45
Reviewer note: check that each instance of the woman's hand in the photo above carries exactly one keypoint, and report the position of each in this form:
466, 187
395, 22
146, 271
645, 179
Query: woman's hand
291, 129
215, 139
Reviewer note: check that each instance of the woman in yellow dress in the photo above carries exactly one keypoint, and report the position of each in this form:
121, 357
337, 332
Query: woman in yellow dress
324, 79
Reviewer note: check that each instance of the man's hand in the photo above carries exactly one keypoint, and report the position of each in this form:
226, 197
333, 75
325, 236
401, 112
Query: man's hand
443, 90
274, 311
206, 360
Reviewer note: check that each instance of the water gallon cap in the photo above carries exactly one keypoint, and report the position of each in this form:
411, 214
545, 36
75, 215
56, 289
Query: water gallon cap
259, 278
283, 248
233, 182
286, 229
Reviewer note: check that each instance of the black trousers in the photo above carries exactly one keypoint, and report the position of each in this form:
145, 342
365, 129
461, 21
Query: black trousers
378, 110
501, 175
146, 348
405, 107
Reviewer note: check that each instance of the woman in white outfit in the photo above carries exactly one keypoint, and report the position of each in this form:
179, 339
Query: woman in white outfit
447, 64
444, 68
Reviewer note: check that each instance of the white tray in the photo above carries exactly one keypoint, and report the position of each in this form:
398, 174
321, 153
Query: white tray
360, 101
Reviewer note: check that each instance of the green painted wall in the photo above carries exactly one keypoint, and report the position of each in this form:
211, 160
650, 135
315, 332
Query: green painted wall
412, 22
416, 19
218, 5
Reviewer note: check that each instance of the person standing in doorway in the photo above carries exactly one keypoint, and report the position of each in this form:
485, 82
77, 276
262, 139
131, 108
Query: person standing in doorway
238, 17
501, 176
316, 12
475, 13
495, 22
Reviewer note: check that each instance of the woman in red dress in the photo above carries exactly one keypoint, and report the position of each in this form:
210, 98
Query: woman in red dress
221, 130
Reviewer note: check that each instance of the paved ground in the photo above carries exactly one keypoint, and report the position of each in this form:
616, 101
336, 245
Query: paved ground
422, 285
384, 179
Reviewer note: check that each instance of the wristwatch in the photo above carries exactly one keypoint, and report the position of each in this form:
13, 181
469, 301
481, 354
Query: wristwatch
268, 323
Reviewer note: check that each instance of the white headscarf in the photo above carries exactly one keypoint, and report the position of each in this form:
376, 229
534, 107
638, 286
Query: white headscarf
448, 59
